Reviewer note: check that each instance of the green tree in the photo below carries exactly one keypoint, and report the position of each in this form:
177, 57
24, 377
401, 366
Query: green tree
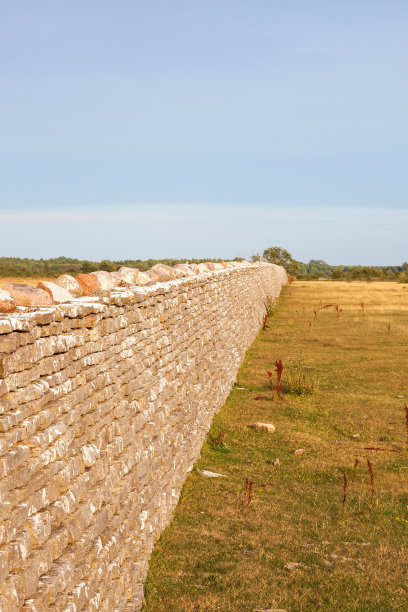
281, 257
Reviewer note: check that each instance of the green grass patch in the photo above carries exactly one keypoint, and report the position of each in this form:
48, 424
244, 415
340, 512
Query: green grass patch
221, 552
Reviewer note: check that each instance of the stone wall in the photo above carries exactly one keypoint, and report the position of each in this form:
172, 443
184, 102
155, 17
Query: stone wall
104, 406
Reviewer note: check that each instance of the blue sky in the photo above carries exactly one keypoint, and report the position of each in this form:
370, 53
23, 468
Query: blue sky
187, 128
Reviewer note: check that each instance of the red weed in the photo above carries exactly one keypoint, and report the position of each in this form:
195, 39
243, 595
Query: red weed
338, 310
389, 327
315, 312
406, 418
354, 471
344, 490
270, 374
370, 470
264, 320
376, 448
248, 491
279, 370
362, 307
218, 440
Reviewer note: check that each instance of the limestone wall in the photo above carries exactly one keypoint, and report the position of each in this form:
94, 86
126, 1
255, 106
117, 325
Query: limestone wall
104, 406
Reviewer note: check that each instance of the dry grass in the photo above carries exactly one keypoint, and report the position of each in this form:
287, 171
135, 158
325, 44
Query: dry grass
223, 553
21, 279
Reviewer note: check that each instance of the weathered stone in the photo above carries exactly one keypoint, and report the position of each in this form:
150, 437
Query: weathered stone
70, 284
128, 275
161, 273
143, 279
212, 474
266, 427
105, 280
104, 405
184, 269
26, 295
116, 278
7, 303
57, 293
202, 268
89, 283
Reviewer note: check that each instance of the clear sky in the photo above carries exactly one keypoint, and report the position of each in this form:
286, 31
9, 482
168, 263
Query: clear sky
217, 128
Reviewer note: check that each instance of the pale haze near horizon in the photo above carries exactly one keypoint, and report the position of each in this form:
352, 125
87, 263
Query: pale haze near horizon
217, 129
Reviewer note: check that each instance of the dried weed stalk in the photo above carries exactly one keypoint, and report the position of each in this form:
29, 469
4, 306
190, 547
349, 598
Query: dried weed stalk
248, 491
370, 470
270, 374
406, 419
344, 491
279, 370
264, 320
354, 472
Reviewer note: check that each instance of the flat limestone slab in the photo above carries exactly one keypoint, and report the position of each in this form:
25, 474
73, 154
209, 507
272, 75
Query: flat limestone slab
266, 427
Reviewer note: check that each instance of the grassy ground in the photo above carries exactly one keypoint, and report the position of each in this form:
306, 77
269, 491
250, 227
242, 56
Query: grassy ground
20, 279
223, 553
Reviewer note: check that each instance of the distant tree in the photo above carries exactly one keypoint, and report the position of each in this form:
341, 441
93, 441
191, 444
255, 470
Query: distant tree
281, 257
256, 257
108, 266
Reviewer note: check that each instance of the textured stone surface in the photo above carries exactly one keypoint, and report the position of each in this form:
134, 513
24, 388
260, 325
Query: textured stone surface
143, 279
7, 303
129, 275
104, 406
57, 293
70, 284
161, 273
105, 280
26, 295
184, 269
266, 427
89, 283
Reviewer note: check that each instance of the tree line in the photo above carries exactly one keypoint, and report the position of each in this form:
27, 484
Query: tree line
318, 268
315, 268
37, 268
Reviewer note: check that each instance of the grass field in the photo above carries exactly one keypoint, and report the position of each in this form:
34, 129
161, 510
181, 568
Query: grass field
20, 279
223, 553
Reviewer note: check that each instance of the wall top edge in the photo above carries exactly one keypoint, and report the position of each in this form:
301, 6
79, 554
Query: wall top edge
25, 318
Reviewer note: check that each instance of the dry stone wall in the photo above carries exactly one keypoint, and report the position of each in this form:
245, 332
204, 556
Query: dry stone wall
104, 405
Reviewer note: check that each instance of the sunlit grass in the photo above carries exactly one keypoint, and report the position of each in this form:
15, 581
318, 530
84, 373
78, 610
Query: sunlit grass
220, 553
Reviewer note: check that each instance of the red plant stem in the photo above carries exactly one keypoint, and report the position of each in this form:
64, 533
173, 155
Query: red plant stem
344, 490
406, 419
250, 492
270, 374
370, 469
279, 370
354, 471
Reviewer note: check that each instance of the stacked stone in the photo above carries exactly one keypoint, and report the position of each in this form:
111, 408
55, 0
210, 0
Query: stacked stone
66, 287
104, 406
